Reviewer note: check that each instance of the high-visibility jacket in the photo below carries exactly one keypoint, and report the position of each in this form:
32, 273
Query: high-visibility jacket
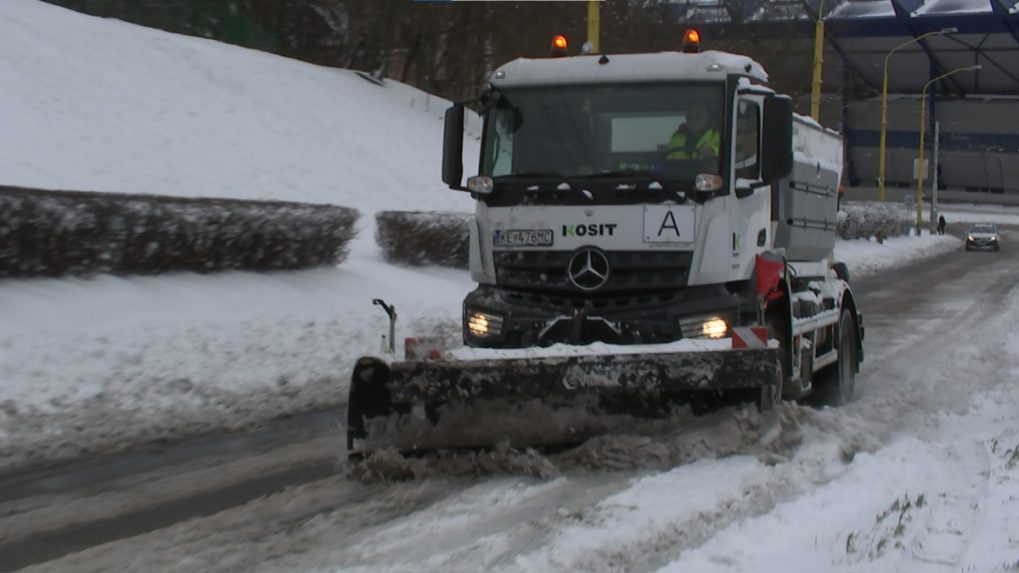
678, 148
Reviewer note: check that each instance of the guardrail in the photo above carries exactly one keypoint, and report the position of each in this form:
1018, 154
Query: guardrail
899, 194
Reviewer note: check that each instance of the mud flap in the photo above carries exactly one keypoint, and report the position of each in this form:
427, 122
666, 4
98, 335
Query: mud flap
382, 395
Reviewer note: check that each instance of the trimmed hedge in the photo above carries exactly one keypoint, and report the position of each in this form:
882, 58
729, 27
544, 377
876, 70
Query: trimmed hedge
864, 220
418, 238
57, 233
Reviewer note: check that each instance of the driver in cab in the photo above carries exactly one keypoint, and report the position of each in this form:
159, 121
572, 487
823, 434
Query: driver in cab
695, 138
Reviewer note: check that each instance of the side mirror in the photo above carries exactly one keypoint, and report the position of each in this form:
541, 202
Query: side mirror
488, 98
777, 138
453, 146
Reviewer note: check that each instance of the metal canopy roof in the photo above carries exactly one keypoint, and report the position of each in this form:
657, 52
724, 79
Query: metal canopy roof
862, 32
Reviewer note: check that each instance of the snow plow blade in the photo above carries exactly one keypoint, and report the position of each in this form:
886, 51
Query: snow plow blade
535, 401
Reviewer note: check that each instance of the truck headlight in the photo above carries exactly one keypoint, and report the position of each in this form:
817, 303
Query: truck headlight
482, 324
704, 327
715, 328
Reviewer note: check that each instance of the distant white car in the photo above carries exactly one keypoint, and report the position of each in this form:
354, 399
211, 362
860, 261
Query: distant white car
982, 236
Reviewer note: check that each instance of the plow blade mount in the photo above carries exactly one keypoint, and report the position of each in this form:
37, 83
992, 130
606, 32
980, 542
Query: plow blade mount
436, 404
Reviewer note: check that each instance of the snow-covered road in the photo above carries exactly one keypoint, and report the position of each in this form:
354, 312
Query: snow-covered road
918, 473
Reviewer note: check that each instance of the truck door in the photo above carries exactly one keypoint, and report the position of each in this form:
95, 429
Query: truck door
750, 217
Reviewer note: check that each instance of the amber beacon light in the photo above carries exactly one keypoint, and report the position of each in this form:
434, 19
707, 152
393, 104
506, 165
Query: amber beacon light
558, 46
691, 42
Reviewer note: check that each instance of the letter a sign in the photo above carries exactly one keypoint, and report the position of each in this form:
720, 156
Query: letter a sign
669, 224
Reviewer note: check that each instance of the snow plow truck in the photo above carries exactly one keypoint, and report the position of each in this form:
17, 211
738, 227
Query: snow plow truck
628, 258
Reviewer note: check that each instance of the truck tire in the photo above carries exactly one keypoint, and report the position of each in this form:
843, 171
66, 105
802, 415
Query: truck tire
833, 385
771, 390
778, 320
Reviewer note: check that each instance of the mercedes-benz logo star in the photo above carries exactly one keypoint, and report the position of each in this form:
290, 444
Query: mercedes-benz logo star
588, 269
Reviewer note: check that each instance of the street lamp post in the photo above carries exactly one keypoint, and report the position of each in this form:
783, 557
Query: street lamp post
593, 24
919, 168
884, 109
934, 177
815, 86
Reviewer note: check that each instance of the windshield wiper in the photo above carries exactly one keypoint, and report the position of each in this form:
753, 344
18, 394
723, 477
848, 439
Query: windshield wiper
655, 185
626, 174
532, 175
567, 184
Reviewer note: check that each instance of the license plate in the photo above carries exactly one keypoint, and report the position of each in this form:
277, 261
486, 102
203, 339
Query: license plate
523, 238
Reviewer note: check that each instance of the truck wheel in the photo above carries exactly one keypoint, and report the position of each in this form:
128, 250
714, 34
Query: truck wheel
834, 384
778, 329
771, 391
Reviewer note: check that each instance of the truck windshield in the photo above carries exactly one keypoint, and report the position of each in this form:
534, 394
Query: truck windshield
672, 131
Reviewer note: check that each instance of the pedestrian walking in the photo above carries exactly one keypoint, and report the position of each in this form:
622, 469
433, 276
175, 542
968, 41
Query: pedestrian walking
941, 224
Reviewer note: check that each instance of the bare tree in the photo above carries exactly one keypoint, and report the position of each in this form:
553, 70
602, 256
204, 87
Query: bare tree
450, 48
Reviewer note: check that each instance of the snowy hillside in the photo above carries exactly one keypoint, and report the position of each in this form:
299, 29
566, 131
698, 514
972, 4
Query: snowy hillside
96, 104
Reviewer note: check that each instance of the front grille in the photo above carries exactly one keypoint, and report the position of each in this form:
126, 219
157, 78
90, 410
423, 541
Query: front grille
628, 270
565, 304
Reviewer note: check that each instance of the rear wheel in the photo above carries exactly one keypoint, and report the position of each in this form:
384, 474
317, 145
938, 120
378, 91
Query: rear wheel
834, 384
